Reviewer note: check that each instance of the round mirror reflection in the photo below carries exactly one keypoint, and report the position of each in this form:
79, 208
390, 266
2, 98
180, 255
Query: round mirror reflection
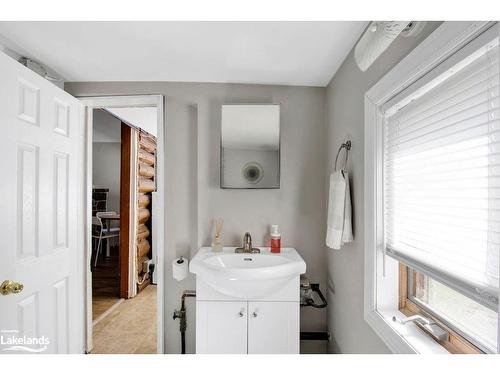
252, 172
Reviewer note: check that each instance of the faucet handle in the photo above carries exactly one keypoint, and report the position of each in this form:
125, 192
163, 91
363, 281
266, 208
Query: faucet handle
247, 241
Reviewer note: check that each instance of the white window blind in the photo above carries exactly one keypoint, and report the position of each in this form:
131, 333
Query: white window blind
442, 176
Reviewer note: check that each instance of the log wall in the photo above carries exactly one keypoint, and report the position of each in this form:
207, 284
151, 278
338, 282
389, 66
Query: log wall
146, 184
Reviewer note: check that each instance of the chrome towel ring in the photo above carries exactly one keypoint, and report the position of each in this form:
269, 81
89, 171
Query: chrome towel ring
347, 146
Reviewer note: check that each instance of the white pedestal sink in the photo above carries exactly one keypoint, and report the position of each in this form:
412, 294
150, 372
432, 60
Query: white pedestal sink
247, 276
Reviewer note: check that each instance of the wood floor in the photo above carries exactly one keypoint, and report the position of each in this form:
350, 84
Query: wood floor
130, 328
105, 285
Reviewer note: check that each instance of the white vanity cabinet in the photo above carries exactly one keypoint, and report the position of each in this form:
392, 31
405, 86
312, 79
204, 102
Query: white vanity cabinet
221, 327
230, 327
273, 327
247, 302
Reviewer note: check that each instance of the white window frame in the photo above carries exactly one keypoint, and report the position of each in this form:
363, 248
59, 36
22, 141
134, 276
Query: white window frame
381, 284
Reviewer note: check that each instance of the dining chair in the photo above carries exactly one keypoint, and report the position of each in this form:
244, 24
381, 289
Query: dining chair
102, 231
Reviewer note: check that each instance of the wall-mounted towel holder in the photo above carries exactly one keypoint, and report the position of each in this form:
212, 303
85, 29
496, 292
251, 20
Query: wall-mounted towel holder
347, 146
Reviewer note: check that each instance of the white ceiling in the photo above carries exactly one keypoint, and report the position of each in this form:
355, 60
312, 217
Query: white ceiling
288, 53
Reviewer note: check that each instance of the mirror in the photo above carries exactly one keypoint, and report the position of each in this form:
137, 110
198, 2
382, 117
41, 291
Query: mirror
250, 146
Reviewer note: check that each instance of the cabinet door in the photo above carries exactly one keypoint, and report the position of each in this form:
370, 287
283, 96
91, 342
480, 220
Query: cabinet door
221, 327
273, 327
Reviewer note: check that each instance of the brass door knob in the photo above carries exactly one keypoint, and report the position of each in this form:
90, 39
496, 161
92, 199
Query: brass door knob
9, 286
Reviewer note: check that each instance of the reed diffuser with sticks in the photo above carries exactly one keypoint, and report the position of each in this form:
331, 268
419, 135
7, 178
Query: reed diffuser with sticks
217, 243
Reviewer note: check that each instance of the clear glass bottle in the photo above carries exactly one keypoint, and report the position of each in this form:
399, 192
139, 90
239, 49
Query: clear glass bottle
216, 245
217, 242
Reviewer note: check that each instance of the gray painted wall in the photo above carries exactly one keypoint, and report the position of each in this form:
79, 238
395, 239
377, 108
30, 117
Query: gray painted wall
193, 197
106, 160
181, 215
345, 120
106, 156
106, 128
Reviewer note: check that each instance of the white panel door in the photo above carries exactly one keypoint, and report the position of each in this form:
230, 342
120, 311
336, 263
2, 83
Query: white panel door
221, 327
273, 327
40, 145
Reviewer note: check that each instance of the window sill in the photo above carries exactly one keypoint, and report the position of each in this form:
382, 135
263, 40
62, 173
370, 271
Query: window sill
402, 339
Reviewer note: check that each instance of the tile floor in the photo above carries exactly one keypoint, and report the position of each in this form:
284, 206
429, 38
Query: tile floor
130, 327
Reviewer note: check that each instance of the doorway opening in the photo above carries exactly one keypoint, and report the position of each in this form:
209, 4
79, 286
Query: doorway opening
124, 258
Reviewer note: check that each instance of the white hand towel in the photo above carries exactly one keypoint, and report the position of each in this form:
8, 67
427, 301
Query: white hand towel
347, 232
339, 227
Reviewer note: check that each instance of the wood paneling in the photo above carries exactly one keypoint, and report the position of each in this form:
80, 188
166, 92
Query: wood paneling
142, 232
148, 144
143, 248
146, 157
146, 170
125, 209
143, 215
146, 184
143, 200
403, 285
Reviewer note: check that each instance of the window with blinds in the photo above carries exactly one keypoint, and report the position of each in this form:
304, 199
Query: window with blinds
442, 175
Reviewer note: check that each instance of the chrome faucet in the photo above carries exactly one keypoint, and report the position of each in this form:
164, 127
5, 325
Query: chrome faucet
247, 245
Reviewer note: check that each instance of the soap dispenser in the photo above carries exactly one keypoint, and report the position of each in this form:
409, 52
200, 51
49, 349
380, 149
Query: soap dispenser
275, 239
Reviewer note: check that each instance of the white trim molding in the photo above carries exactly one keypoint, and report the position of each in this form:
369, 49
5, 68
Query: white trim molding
381, 275
158, 209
